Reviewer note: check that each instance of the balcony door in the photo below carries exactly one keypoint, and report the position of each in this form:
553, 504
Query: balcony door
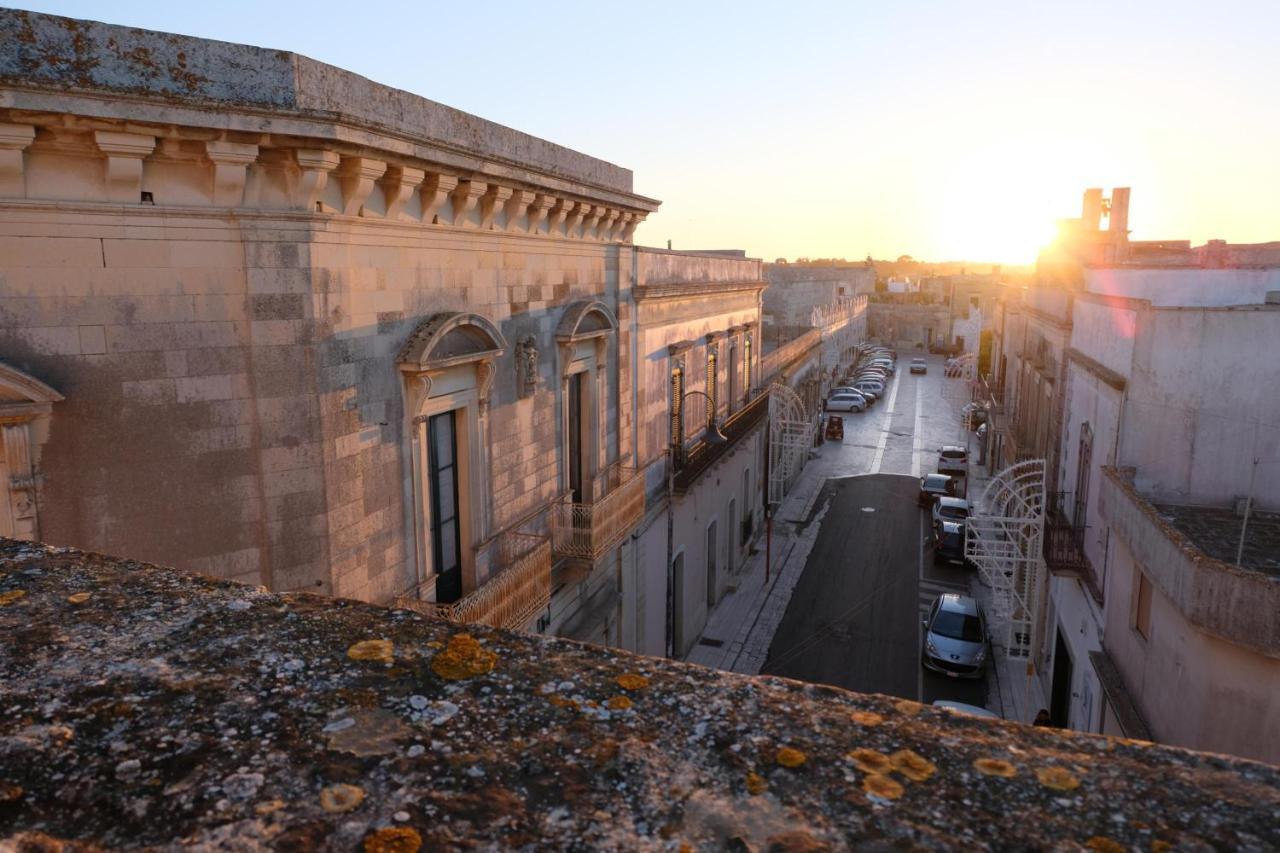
711, 564
574, 450
446, 538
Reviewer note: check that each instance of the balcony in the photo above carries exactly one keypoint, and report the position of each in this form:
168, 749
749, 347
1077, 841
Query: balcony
704, 454
511, 598
588, 530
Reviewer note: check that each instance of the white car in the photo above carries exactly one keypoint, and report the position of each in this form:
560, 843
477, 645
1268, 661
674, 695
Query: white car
953, 459
968, 710
846, 403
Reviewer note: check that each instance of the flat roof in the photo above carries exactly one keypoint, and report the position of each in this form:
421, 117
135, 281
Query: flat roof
1216, 532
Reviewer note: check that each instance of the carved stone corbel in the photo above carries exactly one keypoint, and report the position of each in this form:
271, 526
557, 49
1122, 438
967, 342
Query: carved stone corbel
629, 229
464, 199
580, 210
485, 372
538, 210
125, 153
608, 224
516, 206
231, 161
14, 139
358, 174
435, 191
398, 186
316, 165
591, 221
494, 200
559, 211
417, 390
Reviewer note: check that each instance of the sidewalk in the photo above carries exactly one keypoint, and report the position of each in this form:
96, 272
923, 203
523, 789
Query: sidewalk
741, 627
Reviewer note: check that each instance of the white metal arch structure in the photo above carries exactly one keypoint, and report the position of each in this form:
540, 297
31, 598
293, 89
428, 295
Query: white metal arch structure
1003, 537
790, 437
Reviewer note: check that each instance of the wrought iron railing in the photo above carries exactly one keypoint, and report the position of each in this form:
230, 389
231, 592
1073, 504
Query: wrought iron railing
588, 530
508, 599
704, 454
1064, 547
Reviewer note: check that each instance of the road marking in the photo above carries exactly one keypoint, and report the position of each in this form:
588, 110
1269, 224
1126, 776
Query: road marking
884, 431
918, 439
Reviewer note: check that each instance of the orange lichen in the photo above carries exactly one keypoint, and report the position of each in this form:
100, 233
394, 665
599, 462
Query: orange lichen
632, 681
393, 839
867, 718
756, 784
562, 702
907, 708
10, 792
341, 798
1160, 845
914, 766
879, 785
1057, 778
870, 761
379, 651
463, 658
788, 757
7, 598
618, 703
269, 806
995, 767
1105, 845
79, 597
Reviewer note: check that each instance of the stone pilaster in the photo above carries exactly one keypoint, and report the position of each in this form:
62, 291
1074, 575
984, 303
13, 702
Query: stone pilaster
14, 139
398, 186
231, 161
358, 174
436, 190
125, 153
316, 165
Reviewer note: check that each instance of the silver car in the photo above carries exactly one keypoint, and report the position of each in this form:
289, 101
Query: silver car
955, 637
846, 403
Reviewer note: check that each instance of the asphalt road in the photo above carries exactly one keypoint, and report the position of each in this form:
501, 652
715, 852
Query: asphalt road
854, 616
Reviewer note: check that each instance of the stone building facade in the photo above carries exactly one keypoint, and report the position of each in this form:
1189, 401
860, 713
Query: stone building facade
796, 289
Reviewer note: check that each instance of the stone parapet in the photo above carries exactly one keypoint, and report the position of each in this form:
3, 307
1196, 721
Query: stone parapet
146, 707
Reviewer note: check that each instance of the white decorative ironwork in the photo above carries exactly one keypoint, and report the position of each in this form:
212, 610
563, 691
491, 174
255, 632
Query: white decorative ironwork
1003, 538
588, 530
790, 438
511, 598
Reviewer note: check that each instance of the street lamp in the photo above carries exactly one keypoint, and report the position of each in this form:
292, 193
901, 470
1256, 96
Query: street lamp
713, 435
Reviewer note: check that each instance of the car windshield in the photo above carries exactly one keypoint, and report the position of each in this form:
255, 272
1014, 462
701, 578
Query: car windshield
953, 512
953, 454
935, 482
957, 626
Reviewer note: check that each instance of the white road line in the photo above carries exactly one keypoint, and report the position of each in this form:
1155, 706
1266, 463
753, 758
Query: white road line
884, 431
917, 438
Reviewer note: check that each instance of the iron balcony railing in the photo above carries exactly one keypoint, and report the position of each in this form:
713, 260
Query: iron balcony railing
704, 454
1063, 548
509, 599
588, 530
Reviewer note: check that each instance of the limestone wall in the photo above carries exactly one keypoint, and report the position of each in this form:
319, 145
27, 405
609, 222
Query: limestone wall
795, 290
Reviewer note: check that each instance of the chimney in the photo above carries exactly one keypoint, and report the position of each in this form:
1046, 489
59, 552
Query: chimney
1118, 221
1091, 211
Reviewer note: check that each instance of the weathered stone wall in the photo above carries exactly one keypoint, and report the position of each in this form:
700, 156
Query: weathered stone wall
795, 290
908, 325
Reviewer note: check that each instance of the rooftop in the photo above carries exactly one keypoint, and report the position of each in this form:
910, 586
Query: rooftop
144, 706
1216, 532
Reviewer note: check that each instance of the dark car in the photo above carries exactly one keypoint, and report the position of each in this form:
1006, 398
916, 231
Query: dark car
934, 486
948, 542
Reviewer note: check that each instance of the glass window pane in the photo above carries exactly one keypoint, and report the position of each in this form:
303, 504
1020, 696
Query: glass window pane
448, 546
447, 508
442, 438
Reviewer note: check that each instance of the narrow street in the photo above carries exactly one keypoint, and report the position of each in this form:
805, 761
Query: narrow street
854, 618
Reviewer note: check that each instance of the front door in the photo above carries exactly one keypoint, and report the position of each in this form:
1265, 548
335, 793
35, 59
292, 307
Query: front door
1060, 704
711, 565
446, 538
733, 534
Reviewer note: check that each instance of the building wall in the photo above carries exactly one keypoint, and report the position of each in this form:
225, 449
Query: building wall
1188, 288
796, 289
1193, 689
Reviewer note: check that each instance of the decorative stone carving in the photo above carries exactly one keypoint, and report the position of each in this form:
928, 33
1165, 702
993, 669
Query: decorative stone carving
435, 191
485, 372
580, 209
608, 224
516, 206
629, 229
494, 200
231, 161
398, 186
316, 166
125, 153
464, 198
14, 139
592, 219
358, 177
559, 211
538, 210
527, 366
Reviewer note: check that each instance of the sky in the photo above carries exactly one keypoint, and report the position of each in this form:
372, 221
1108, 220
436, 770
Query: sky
942, 130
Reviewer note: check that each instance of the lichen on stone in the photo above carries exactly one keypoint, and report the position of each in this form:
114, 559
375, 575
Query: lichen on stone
912, 765
7, 598
871, 761
393, 839
790, 757
632, 681
342, 797
463, 658
867, 718
377, 651
756, 784
879, 785
1057, 778
995, 767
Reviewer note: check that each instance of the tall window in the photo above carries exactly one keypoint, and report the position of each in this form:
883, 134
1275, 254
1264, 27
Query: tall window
746, 363
1142, 610
446, 541
575, 436
677, 405
733, 375
713, 384
1083, 470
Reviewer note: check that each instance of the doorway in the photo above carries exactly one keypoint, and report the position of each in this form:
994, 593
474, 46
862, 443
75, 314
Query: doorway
575, 437
1060, 703
732, 533
677, 606
446, 538
711, 565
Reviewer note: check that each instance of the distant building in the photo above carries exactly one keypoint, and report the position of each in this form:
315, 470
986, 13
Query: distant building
796, 289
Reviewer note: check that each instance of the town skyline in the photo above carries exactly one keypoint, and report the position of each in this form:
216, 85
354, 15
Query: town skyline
959, 134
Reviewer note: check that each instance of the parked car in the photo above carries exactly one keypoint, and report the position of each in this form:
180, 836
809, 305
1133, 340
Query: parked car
847, 403
875, 386
955, 637
975, 414
951, 509
953, 459
935, 486
919, 365
948, 541
967, 710
848, 389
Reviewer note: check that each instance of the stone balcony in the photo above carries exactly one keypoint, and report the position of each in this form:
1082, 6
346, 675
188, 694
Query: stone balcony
589, 530
145, 707
511, 598
1236, 604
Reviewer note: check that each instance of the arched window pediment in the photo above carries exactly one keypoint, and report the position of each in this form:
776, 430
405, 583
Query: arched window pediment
450, 338
587, 318
24, 395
